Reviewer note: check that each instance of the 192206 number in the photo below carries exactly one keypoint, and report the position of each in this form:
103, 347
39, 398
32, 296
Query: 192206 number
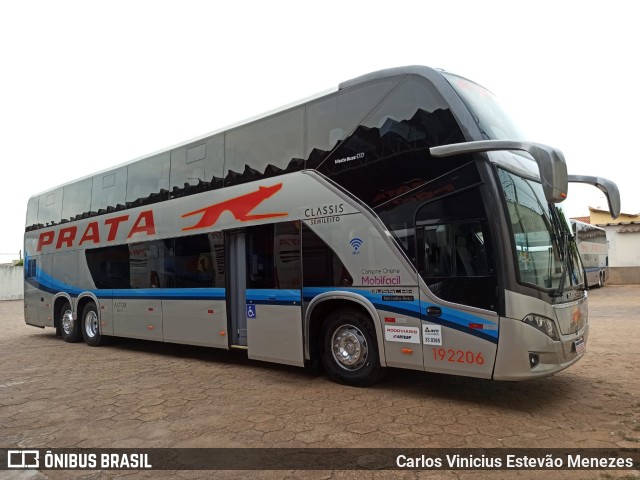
457, 356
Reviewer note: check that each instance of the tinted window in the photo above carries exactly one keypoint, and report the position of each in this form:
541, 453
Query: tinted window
331, 119
398, 213
31, 268
148, 264
76, 202
148, 181
454, 250
390, 149
50, 207
199, 261
109, 191
264, 148
197, 167
109, 266
32, 213
286, 255
492, 120
273, 256
321, 266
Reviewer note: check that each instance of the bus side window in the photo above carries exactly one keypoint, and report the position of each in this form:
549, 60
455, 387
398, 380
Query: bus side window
321, 266
31, 268
457, 259
273, 256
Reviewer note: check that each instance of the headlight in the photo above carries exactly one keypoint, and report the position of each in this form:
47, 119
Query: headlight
544, 324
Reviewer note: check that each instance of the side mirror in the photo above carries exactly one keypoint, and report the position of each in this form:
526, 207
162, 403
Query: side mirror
607, 187
551, 163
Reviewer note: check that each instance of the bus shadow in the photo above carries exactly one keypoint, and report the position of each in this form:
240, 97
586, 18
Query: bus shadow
522, 396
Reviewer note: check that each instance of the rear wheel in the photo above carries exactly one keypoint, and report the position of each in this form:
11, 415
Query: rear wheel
349, 349
601, 280
91, 326
69, 328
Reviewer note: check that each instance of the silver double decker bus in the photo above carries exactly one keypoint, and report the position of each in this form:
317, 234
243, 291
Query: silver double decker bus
400, 220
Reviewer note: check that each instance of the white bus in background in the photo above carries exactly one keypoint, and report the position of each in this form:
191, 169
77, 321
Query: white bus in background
594, 251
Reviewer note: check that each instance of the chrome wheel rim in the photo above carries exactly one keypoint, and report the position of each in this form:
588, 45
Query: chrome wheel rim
67, 322
91, 324
349, 347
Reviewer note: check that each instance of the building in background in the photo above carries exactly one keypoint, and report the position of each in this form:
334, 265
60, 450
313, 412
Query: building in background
11, 282
623, 235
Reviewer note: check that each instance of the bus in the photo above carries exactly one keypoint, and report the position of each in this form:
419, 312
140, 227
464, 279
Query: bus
594, 251
386, 223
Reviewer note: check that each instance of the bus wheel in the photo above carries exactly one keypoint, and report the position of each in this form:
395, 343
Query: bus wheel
349, 349
69, 328
91, 326
600, 280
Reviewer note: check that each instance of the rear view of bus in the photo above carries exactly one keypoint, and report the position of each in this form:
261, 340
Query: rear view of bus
401, 220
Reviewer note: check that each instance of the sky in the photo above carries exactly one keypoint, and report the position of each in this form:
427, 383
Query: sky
88, 85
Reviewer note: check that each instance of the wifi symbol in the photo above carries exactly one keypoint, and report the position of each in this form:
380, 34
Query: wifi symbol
356, 243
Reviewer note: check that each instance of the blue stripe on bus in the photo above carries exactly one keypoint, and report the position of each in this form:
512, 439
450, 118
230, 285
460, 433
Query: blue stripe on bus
450, 317
49, 284
273, 296
167, 293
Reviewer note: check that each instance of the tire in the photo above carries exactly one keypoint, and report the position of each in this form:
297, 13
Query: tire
69, 326
601, 280
91, 326
350, 350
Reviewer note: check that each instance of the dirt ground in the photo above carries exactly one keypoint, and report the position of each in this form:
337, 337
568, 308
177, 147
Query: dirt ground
143, 394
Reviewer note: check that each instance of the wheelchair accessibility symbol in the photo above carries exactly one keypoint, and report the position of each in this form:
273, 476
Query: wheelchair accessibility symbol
251, 311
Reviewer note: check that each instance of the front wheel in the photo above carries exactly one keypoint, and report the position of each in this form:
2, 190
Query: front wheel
349, 349
69, 328
91, 326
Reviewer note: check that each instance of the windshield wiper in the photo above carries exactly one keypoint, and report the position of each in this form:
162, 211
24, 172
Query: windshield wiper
565, 267
563, 239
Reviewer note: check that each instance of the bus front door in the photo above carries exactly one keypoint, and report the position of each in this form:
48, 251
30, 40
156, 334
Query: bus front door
459, 310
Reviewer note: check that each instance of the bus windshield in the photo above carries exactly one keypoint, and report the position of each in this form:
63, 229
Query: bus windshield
546, 252
492, 120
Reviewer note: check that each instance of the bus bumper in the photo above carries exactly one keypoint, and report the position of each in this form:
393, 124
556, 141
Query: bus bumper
525, 353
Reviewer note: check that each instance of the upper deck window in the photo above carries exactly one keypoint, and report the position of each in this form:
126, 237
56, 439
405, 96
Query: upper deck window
50, 208
148, 181
32, 213
390, 147
331, 119
265, 148
492, 120
109, 191
197, 167
76, 203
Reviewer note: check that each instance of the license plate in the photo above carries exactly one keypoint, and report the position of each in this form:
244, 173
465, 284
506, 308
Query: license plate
580, 346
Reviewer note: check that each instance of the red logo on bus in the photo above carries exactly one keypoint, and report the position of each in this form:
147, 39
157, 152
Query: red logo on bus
240, 207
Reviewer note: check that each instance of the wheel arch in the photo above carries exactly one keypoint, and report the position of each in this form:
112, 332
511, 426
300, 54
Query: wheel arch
58, 301
85, 298
320, 307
